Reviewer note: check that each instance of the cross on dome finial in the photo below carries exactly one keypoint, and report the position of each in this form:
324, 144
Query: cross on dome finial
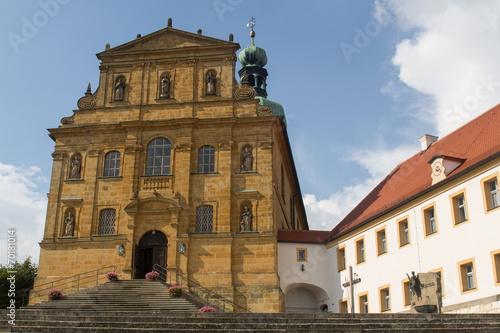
250, 24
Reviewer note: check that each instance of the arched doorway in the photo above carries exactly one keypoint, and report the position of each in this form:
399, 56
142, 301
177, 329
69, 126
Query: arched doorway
300, 300
152, 249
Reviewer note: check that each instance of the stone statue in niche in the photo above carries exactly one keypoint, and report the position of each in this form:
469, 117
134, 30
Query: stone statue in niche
70, 225
76, 168
119, 89
211, 80
165, 87
247, 160
246, 219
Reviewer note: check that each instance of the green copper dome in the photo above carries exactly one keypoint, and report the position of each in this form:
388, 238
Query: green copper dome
276, 108
252, 56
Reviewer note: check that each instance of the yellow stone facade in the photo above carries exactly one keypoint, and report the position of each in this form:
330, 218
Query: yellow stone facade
240, 265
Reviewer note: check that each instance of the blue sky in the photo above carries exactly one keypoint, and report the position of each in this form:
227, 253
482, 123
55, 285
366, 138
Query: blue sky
360, 82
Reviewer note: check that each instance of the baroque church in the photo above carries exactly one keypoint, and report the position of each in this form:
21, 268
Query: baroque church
172, 161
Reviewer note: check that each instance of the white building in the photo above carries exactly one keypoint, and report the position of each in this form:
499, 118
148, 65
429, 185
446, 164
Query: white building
439, 211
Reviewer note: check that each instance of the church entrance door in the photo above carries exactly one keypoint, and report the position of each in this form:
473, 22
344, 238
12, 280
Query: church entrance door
152, 249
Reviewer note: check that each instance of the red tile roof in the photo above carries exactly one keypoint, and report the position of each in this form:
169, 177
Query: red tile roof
303, 236
474, 142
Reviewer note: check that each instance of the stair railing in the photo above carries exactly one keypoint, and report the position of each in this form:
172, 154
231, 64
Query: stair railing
207, 296
69, 284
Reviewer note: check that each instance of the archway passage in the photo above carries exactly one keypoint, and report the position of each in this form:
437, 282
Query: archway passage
300, 300
152, 249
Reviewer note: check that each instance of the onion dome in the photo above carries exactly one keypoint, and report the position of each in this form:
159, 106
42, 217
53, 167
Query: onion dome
253, 55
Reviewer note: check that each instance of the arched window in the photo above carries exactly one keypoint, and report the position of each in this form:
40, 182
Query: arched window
204, 218
158, 157
112, 164
107, 221
206, 159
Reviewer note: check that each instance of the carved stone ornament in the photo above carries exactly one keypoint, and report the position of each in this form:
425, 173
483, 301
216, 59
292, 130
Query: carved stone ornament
264, 110
76, 167
189, 62
183, 146
133, 149
231, 59
58, 155
67, 120
266, 144
244, 92
85, 103
246, 219
70, 225
94, 151
246, 160
104, 68
226, 145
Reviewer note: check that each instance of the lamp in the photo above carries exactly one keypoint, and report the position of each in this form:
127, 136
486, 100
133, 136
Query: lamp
302, 268
121, 249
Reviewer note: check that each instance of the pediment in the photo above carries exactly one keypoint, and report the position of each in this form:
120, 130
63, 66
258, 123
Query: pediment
167, 38
153, 204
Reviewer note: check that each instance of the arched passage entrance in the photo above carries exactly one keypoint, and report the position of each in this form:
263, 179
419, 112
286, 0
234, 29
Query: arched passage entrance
304, 297
152, 249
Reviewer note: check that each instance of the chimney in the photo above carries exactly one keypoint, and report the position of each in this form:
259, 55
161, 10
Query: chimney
427, 140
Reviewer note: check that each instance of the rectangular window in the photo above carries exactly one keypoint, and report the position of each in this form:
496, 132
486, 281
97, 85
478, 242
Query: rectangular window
341, 258
360, 250
301, 254
491, 195
459, 207
429, 220
385, 298
406, 293
381, 241
467, 275
344, 306
495, 256
204, 218
363, 303
439, 272
404, 232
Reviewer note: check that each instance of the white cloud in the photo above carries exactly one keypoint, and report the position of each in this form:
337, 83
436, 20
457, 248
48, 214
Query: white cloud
23, 208
451, 56
326, 213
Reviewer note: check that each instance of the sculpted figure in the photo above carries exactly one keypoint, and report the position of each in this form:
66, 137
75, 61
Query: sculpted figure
70, 225
414, 285
211, 79
165, 87
247, 160
76, 167
246, 220
119, 89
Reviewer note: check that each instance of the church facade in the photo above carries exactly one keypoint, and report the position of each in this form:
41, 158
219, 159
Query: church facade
171, 161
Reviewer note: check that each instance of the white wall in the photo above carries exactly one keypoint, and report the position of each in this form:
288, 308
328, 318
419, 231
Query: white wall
473, 239
316, 275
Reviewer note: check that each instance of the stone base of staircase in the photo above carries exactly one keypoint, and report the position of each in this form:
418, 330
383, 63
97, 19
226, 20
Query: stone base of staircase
163, 321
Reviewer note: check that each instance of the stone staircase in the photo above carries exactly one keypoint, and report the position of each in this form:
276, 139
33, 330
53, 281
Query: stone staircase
122, 295
159, 321
142, 306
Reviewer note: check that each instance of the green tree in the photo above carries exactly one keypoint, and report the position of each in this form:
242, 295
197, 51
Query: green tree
23, 279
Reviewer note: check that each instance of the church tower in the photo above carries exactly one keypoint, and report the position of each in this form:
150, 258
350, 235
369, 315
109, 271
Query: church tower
171, 161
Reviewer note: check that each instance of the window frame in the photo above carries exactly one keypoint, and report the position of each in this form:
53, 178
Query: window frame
154, 158
359, 253
455, 208
341, 258
439, 271
401, 231
381, 241
211, 163
464, 275
495, 258
344, 305
386, 290
115, 224
362, 304
304, 250
199, 226
485, 189
427, 222
116, 160
406, 293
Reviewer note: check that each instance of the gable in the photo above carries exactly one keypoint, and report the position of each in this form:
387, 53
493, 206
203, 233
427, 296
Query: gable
167, 38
